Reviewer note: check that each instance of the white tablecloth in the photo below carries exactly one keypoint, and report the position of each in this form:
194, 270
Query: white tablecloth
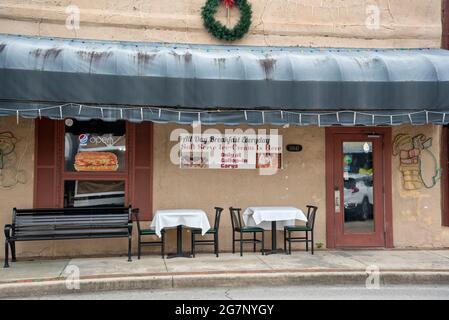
193, 218
263, 216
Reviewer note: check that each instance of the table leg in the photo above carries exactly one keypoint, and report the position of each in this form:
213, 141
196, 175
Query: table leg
179, 253
274, 248
273, 235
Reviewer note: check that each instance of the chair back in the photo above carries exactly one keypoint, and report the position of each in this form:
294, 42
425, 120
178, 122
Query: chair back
236, 220
218, 212
311, 213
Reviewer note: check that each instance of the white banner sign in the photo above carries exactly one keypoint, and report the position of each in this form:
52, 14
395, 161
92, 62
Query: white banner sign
240, 151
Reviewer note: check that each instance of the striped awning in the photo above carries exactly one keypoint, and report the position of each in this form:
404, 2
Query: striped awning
85, 79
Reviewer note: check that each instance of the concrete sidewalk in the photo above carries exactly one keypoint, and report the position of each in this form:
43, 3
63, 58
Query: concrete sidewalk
300, 268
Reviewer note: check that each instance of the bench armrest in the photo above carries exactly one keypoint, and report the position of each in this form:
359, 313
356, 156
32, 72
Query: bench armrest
8, 228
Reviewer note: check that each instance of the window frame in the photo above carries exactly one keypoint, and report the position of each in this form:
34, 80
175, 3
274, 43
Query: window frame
49, 166
123, 175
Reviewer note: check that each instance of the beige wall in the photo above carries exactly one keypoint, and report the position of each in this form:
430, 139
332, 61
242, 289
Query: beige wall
301, 182
417, 214
18, 166
316, 23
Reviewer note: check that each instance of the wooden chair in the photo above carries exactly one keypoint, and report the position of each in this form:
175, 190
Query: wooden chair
236, 222
311, 213
147, 232
212, 231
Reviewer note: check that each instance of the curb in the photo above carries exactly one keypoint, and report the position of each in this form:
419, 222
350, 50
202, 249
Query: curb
354, 278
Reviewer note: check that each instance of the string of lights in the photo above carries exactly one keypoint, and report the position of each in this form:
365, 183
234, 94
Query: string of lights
439, 117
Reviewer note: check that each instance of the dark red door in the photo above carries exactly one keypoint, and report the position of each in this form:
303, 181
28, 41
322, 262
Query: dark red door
358, 190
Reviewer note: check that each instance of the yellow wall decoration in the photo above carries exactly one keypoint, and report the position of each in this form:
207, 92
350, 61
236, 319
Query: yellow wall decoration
410, 150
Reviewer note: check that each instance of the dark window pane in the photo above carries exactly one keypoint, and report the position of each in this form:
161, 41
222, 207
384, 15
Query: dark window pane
94, 193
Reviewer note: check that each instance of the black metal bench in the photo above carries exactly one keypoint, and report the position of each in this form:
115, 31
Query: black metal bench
67, 223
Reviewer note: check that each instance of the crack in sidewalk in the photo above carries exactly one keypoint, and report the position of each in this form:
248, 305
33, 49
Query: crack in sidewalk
264, 263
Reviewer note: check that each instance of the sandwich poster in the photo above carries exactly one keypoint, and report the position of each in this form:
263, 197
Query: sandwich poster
238, 151
99, 152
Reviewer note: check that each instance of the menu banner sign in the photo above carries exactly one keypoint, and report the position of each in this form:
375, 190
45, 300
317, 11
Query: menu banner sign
236, 151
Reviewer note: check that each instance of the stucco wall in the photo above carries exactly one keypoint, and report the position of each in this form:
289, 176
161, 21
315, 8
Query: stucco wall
320, 23
299, 183
417, 214
18, 166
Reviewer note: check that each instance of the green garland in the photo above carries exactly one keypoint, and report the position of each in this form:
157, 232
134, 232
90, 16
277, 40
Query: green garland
217, 29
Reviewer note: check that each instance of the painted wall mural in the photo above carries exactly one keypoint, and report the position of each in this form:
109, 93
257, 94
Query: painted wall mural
10, 172
410, 150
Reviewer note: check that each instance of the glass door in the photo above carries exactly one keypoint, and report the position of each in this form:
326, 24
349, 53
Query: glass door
358, 180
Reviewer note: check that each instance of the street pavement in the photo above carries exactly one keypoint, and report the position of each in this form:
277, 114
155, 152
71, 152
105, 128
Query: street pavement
325, 268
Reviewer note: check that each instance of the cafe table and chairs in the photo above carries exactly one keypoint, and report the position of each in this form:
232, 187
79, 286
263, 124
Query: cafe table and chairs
191, 218
274, 219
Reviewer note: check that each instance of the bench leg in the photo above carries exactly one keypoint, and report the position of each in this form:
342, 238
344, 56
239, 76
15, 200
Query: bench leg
129, 249
6, 254
13, 250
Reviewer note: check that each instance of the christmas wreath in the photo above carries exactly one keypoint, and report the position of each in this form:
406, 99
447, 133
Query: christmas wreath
217, 29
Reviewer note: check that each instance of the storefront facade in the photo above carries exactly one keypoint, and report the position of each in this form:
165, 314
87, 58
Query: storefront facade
409, 211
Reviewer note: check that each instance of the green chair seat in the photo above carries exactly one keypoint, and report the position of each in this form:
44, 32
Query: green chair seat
199, 231
297, 228
146, 232
249, 229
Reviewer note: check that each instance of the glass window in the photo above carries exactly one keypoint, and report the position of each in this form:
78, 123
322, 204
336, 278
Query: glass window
95, 146
358, 175
91, 193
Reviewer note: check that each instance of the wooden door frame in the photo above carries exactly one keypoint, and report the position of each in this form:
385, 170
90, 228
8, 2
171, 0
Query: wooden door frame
387, 176
445, 24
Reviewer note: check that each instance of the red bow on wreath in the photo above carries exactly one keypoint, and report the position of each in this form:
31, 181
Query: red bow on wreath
228, 3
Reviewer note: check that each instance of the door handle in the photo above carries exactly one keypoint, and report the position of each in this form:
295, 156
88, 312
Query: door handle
337, 200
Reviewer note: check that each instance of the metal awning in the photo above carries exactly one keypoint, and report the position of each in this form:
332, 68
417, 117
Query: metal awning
221, 84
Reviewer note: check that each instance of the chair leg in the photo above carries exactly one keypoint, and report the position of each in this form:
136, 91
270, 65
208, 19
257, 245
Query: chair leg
289, 243
6, 254
13, 251
233, 242
163, 244
263, 243
138, 248
193, 245
285, 241
129, 248
216, 245
312, 241
254, 242
307, 241
241, 244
